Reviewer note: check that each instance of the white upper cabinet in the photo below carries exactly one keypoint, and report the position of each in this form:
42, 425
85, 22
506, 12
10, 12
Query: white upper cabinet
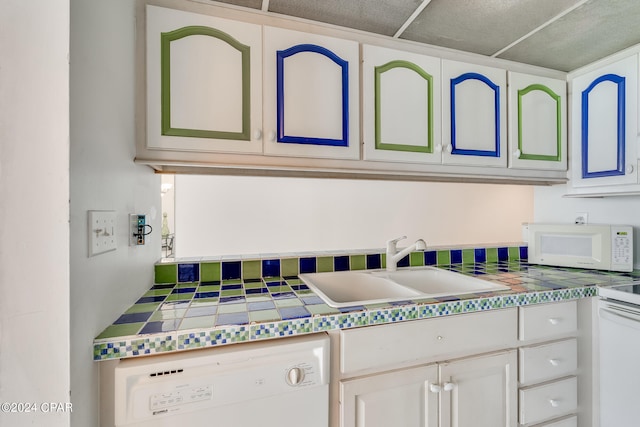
537, 122
474, 114
311, 98
203, 83
604, 108
401, 106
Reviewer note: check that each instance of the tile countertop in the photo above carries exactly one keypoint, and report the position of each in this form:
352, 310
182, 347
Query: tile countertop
183, 316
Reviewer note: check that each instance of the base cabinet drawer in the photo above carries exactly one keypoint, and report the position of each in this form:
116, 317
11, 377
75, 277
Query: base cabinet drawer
548, 401
565, 422
547, 361
546, 321
404, 344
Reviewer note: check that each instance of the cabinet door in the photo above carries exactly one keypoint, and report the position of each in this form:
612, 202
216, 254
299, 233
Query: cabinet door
604, 123
537, 118
401, 106
311, 99
480, 391
401, 398
204, 82
474, 125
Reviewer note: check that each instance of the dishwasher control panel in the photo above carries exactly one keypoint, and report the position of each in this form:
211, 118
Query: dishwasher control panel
210, 382
162, 401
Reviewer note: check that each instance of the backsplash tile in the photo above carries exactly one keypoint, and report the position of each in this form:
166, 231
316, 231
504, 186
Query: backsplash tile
290, 265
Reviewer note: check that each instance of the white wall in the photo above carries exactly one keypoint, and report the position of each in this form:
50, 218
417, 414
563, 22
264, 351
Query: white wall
34, 212
217, 215
550, 206
104, 177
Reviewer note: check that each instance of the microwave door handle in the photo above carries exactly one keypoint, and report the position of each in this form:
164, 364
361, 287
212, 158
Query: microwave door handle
631, 320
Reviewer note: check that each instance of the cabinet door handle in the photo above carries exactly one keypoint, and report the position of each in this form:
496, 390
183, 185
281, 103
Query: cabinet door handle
554, 362
438, 148
257, 134
629, 169
449, 148
272, 136
517, 154
554, 402
449, 386
554, 321
435, 388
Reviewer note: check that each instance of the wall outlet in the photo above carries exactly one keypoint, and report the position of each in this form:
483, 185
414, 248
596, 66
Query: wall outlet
137, 229
102, 232
582, 218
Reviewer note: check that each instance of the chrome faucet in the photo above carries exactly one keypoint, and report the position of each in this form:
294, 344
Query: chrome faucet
393, 256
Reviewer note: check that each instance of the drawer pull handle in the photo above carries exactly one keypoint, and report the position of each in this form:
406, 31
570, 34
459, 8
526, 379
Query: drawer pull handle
554, 321
554, 362
554, 402
435, 388
439, 337
449, 386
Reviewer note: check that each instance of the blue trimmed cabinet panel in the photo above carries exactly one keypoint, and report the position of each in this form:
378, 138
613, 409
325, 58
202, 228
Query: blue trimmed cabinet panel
537, 122
401, 106
605, 125
311, 99
474, 114
203, 83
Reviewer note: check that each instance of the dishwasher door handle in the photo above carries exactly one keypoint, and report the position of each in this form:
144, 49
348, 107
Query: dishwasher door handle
623, 318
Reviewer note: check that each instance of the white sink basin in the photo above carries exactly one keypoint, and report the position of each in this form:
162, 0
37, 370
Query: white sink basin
434, 282
349, 288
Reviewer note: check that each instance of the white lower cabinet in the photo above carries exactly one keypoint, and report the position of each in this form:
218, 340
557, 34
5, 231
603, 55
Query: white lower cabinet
548, 363
451, 371
479, 391
399, 398
476, 391
514, 367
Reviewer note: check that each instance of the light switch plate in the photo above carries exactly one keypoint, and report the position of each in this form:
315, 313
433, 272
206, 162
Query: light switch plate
102, 232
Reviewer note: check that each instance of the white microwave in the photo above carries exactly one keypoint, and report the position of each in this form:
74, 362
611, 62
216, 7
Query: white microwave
594, 246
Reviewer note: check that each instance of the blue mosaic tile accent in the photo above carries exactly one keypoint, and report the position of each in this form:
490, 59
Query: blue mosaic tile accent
405, 262
308, 265
378, 317
430, 258
271, 268
162, 326
133, 318
231, 270
456, 256
188, 272
503, 254
374, 261
524, 252
152, 345
341, 263
480, 255
470, 306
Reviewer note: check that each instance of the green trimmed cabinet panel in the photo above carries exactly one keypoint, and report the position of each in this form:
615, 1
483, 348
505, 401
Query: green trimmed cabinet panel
401, 106
604, 114
538, 125
311, 97
474, 126
203, 83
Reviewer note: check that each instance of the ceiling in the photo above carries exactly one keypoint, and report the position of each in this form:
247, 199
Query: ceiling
558, 34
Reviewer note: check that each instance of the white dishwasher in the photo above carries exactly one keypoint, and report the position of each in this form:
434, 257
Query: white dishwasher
619, 317
277, 383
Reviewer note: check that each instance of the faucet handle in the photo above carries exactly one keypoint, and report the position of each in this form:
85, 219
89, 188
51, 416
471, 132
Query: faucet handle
391, 244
